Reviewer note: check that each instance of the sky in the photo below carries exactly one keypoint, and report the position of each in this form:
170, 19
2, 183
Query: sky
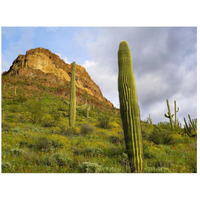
164, 60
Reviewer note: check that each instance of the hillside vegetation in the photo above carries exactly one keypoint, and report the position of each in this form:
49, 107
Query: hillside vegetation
36, 137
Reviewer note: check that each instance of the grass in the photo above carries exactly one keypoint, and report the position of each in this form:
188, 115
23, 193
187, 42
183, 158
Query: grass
36, 138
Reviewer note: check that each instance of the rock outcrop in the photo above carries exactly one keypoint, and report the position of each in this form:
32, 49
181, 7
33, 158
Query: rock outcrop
41, 62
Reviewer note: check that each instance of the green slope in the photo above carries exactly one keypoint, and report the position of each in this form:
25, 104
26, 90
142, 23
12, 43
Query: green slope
36, 137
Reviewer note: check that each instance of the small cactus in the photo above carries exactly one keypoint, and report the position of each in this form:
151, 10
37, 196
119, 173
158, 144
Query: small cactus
129, 109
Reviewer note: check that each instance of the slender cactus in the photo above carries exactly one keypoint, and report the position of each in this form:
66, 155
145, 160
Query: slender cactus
87, 110
193, 123
15, 91
72, 106
170, 116
175, 114
129, 109
191, 128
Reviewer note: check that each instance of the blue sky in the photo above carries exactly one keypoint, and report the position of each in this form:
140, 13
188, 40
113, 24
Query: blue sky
164, 60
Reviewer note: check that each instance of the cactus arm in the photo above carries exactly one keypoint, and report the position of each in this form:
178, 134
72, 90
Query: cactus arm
129, 109
72, 106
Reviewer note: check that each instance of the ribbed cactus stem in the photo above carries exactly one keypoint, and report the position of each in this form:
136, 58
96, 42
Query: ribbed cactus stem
72, 106
175, 114
129, 109
192, 122
187, 129
170, 116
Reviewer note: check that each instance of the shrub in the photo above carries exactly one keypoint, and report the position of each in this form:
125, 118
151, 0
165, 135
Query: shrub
125, 161
36, 110
48, 121
89, 151
154, 170
23, 143
17, 151
86, 129
6, 165
43, 144
48, 160
147, 152
62, 159
113, 151
5, 127
69, 132
114, 139
89, 167
104, 121
20, 99
161, 136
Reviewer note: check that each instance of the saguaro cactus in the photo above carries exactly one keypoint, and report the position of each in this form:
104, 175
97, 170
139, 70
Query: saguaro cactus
129, 109
170, 116
175, 113
72, 106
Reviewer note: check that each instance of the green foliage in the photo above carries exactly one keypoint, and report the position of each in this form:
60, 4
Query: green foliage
36, 111
48, 146
17, 151
114, 139
70, 131
104, 121
6, 166
129, 108
43, 144
161, 136
89, 167
62, 159
86, 129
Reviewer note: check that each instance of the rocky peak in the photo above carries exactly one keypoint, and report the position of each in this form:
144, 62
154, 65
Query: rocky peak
42, 62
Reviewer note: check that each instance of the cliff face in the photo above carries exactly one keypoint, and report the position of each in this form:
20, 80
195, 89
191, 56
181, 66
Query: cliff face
43, 63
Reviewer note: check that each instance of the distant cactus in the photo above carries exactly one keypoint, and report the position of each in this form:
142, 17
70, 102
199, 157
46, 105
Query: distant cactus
149, 119
175, 114
72, 106
191, 128
15, 91
129, 109
170, 116
87, 111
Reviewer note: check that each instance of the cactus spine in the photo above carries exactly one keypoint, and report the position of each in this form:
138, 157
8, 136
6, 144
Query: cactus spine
175, 114
129, 109
72, 106
170, 116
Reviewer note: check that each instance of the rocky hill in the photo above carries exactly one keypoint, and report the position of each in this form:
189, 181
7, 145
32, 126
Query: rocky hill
45, 67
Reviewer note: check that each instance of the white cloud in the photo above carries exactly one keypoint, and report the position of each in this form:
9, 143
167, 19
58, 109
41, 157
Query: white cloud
63, 58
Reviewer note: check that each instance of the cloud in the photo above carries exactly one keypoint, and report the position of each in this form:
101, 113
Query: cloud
164, 64
63, 58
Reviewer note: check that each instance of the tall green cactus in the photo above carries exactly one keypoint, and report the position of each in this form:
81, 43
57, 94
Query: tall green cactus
170, 116
72, 106
129, 109
175, 114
